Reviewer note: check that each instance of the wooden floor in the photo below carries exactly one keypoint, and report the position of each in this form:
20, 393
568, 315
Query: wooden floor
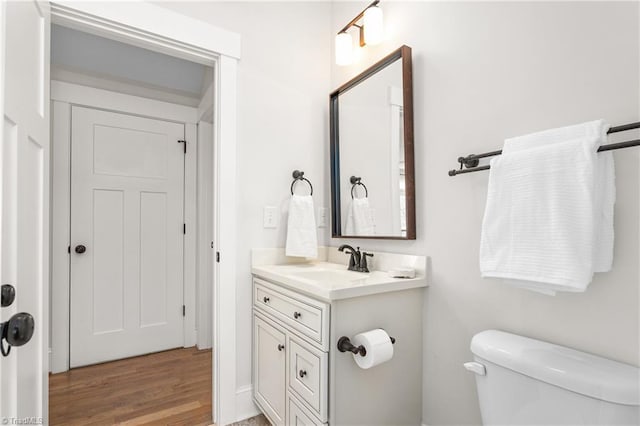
166, 388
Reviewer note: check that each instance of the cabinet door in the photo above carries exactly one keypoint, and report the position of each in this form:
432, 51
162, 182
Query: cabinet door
269, 369
308, 376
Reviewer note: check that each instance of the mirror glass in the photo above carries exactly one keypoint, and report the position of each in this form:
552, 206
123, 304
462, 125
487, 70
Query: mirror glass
372, 152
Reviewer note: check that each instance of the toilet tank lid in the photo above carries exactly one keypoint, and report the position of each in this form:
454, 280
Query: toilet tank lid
570, 369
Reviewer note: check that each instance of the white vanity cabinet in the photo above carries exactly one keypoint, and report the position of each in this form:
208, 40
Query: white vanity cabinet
290, 355
299, 375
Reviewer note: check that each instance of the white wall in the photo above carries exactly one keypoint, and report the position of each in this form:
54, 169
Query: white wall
483, 72
283, 93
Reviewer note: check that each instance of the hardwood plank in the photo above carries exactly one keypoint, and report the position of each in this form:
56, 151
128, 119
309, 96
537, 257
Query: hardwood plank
169, 388
162, 414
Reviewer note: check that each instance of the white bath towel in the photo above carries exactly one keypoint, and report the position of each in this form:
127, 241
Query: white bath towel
302, 237
360, 218
549, 217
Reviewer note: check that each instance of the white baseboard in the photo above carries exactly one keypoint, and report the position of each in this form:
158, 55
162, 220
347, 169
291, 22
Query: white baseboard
245, 407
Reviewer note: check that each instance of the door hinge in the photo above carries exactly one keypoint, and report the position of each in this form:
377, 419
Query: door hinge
184, 146
211, 244
184, 310
68, 249
218, 256
184, 228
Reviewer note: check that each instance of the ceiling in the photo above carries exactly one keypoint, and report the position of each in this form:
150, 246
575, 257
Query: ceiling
83, 58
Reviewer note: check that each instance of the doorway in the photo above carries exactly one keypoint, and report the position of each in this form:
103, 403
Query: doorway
160, 30
127, 199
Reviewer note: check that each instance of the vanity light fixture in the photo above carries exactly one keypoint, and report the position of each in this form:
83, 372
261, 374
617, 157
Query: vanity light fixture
370, 30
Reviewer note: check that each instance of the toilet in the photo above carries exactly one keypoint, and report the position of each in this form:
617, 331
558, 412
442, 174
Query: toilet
522, 381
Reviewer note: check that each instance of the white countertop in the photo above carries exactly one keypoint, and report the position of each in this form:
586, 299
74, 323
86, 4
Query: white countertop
332, 281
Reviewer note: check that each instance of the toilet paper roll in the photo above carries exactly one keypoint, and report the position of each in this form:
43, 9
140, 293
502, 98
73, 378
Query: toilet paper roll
378, 345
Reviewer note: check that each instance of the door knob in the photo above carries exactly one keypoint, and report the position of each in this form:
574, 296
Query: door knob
80, 249
8, 295
17, 331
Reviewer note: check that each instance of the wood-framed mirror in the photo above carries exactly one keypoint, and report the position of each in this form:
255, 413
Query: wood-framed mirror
372, 160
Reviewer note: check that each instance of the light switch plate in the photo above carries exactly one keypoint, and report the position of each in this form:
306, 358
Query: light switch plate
269, 217
323, 212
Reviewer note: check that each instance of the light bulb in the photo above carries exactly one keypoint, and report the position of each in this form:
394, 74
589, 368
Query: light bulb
344, 49
373, 26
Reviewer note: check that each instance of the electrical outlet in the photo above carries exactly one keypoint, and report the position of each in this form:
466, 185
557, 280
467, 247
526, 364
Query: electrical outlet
323, 212
269, 217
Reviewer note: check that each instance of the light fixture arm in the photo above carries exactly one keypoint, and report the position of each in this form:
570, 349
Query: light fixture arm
358, 17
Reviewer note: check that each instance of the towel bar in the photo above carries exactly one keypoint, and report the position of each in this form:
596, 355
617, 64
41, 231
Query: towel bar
469, 164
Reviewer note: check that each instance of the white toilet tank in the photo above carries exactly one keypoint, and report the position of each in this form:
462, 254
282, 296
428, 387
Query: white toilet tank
523, 381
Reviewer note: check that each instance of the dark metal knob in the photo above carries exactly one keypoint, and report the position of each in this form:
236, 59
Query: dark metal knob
19, 329
265, 299
297, 315
80, 249
280, 347
302, 373
8, 295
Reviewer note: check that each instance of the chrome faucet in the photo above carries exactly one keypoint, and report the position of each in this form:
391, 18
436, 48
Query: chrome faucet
357, 259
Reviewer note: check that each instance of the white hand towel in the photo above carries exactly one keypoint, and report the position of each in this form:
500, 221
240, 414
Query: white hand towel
549, 216
360, 218
302, 237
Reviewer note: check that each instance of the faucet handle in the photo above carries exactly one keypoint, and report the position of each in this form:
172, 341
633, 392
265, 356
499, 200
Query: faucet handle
363, 261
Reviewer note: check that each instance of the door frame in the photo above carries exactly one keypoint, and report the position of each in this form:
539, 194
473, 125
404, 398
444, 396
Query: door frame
64, 96
153, 27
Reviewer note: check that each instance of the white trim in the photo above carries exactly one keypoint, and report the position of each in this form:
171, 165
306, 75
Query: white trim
224, 231
245, 407
130, 104
60, 234
147, 25
205, 108
205, 238
183, 37
190, 240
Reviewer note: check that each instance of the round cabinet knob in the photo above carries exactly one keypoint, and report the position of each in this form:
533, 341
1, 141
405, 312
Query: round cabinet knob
302, 373
265, 299
297, 315
281, 347
19, 329
8, 294
80, 249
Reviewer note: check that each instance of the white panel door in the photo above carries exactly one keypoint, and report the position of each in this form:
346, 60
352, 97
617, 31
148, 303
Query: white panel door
127, 184
24, 174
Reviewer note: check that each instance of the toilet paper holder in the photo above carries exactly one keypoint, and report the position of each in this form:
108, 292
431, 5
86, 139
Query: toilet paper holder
345, 345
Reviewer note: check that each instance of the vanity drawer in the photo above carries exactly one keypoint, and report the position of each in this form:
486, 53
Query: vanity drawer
308, 376
299, 416
310, 317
